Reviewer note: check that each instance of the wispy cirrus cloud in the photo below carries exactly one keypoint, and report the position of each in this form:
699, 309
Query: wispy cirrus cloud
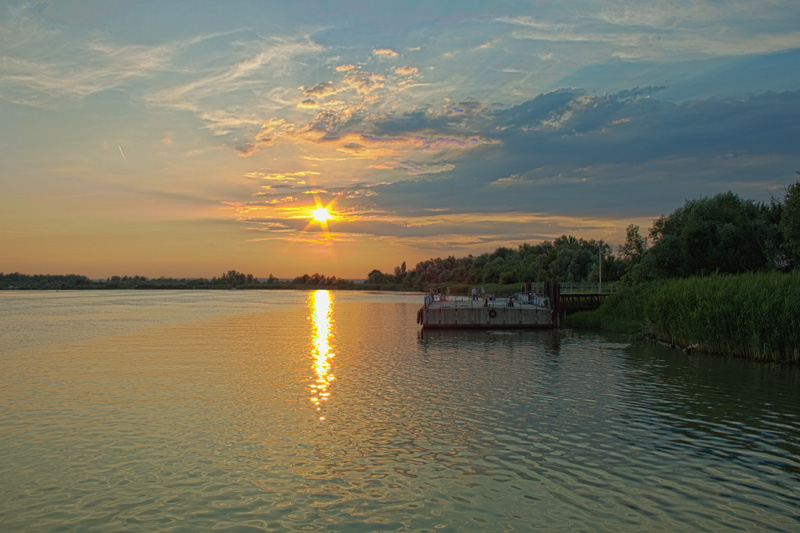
210, 95
49, 81
46, 65
667, 31
418, 169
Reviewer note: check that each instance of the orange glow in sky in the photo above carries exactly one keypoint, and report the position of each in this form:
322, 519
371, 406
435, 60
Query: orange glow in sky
396, 135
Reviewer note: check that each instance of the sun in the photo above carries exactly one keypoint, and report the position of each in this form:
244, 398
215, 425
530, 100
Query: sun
321, 214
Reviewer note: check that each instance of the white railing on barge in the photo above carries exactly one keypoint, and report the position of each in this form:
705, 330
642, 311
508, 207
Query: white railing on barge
536, 290
468, 302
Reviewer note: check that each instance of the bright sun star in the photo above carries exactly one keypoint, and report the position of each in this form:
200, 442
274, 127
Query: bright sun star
320, 214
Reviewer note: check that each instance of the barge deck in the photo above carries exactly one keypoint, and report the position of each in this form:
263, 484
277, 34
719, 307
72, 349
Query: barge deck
523, 311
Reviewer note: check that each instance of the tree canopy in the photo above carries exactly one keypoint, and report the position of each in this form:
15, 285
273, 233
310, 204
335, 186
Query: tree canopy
567, 258
723, 233
720, 234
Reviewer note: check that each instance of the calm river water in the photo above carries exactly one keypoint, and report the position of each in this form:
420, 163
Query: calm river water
332, 411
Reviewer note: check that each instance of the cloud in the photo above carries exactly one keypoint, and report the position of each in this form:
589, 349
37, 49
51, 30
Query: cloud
384, 52
320, 90
48, 65
352, 124
569, 152
572, 152
543, 30
565, 162
282, 177
406, 71
666, 31
363, 82
635, 124
269, 131
417, 168
276, 56
406, 75
49, 74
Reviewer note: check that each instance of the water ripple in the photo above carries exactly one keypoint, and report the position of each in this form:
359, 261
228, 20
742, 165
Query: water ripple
204, 421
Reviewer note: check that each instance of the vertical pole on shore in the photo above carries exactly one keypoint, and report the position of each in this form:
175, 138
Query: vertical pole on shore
539, 272
600, 288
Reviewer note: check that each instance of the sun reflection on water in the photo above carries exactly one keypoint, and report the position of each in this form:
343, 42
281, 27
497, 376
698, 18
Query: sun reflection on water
321, 304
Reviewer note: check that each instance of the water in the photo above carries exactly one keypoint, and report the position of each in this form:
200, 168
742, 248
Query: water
250, 411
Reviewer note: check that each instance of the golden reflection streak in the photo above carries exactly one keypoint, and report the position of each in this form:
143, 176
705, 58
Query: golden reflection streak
321, 303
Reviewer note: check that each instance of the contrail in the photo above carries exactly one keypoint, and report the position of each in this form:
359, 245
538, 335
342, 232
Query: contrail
121, 152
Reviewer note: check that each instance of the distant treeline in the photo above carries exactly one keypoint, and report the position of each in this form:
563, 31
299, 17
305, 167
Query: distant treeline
722, 234
228, 280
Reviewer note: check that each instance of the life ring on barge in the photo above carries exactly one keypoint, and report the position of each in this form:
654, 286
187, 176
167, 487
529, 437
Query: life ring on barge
492, 313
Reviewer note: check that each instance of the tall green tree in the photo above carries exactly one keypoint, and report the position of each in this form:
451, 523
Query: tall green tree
635, 245
719, 234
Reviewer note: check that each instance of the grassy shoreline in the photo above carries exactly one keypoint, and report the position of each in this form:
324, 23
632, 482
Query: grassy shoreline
747, 315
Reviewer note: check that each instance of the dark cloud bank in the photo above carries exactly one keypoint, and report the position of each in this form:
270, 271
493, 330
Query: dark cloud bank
617, 155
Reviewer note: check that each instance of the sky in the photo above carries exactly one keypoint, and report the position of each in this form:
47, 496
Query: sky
189, 138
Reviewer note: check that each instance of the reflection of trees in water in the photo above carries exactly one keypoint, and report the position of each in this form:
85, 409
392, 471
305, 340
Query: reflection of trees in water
728, 407
714, 385
547, 340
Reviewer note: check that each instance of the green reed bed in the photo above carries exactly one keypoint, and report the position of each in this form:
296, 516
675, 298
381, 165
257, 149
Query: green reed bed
751, 315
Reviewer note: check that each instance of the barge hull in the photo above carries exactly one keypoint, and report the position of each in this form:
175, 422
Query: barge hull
440, 317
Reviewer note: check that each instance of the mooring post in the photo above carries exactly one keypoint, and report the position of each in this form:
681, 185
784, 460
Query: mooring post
554, 294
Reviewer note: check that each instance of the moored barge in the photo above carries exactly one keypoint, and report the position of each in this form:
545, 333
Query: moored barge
525, 310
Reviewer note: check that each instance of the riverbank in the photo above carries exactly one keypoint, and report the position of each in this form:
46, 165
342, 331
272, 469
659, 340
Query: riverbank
82, 283
746, 315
